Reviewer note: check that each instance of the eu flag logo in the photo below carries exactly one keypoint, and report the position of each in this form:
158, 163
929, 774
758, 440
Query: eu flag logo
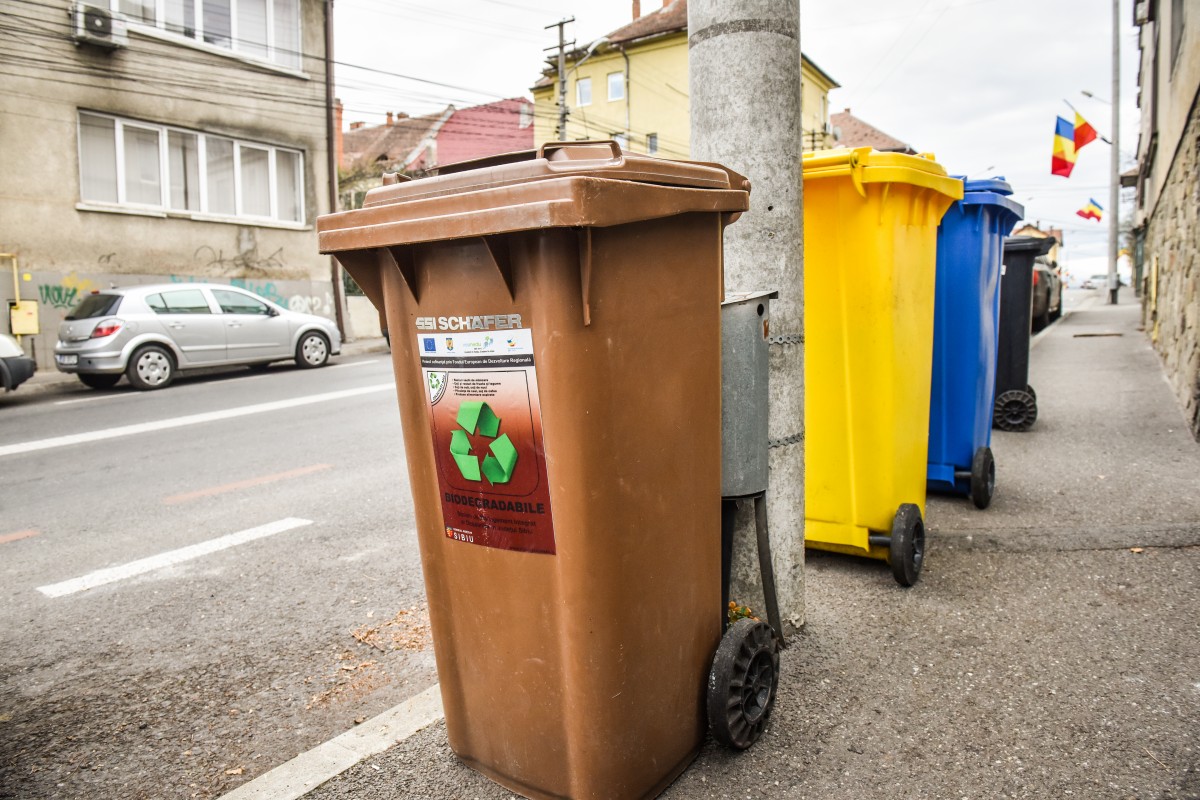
430, 345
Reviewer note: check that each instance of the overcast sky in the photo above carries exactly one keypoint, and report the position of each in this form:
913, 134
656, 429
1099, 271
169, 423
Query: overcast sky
976, 82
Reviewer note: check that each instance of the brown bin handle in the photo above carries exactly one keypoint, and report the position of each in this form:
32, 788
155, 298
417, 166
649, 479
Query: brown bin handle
618, 157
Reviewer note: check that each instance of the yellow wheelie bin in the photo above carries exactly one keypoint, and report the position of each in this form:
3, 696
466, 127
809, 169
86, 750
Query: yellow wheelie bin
870, 238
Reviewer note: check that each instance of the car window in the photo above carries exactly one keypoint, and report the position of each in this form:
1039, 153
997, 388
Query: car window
96, 305
238, 303
184, 301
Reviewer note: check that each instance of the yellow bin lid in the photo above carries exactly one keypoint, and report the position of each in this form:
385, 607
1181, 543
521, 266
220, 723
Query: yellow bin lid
866, 165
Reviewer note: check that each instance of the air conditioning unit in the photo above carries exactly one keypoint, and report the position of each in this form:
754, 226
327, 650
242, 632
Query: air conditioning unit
98, 26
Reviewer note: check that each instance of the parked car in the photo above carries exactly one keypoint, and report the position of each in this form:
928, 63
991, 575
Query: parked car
150, 333
1047, 294
15, 366
1087, 284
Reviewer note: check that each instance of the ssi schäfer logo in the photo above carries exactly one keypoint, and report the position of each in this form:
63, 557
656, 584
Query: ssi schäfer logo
475, 417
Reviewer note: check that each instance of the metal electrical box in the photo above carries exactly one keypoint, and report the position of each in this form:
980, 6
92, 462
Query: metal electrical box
23, 317
745, 328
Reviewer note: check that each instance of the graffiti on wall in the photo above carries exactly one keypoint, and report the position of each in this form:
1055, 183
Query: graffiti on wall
264, 289
64, 294
247, 260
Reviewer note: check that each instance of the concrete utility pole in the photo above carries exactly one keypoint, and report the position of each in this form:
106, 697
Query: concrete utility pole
562, 75
331, 164
744, 77
1114, 190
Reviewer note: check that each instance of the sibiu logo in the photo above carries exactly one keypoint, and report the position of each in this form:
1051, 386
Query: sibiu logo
430, 345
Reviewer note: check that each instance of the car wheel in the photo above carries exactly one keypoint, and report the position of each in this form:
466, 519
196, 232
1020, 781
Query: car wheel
99, 380
312, 351
1042, 319
906, 551
152, 367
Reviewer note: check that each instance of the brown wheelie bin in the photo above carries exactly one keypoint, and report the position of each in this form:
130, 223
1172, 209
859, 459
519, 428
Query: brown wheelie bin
555, 329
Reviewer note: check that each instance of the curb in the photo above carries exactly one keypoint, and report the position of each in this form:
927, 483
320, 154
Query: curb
49, 379
293, 779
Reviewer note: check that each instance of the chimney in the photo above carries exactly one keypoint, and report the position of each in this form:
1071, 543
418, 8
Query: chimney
389, 119
337, 130
356, 125
637, 8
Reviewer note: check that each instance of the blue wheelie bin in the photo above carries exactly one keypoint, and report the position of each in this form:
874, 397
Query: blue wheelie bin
966, 310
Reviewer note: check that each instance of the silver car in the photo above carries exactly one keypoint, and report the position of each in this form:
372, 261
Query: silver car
149, 333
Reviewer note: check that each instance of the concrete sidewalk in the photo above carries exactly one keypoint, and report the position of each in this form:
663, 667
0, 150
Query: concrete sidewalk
50, 380
1051, 649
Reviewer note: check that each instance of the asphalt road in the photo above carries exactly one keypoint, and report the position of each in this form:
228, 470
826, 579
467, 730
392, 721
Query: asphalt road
202, 582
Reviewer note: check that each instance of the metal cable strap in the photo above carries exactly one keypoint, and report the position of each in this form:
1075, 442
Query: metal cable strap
787, 338
795, 438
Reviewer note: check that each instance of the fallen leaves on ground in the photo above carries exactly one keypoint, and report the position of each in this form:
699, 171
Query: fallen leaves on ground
408, 630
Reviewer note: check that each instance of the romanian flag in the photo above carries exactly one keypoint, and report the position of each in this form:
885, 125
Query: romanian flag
1092, 210
1084, 132
1063, 160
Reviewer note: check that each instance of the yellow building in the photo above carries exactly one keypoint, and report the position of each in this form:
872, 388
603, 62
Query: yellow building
632, 86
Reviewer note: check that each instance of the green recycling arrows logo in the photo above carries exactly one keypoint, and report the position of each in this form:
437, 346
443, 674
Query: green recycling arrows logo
477, 417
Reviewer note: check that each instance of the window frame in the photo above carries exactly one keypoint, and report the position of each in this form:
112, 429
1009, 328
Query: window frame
579, 83
294, 61
620, 76
164, 204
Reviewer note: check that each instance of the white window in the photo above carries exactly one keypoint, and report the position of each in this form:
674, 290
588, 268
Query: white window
140, 165
267, 30
651, 142
616, 86
583, 92
526, 117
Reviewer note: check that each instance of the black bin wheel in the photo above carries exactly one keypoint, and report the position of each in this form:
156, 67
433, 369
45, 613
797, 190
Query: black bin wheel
742, 683
1016, 410
983, 477
906, 551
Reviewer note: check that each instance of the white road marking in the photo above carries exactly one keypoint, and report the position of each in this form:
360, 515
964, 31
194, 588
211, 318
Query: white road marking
356, 363
307, 771
98, 397
170, 558
179, 422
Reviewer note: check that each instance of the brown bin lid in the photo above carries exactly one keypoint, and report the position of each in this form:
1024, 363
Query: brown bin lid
564, 184
598, 159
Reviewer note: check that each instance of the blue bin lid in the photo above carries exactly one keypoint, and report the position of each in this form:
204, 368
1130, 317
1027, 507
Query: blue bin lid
997, 185
995, 191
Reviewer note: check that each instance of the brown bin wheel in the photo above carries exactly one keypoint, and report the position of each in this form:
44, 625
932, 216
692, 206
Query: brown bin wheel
742, 683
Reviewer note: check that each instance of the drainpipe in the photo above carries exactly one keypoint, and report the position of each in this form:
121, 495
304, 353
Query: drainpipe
331, 164
628, 101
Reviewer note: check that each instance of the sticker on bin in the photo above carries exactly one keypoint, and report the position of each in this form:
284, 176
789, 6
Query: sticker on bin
487, 438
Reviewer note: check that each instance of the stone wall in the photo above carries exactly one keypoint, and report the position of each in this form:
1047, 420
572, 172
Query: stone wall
1171, 295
